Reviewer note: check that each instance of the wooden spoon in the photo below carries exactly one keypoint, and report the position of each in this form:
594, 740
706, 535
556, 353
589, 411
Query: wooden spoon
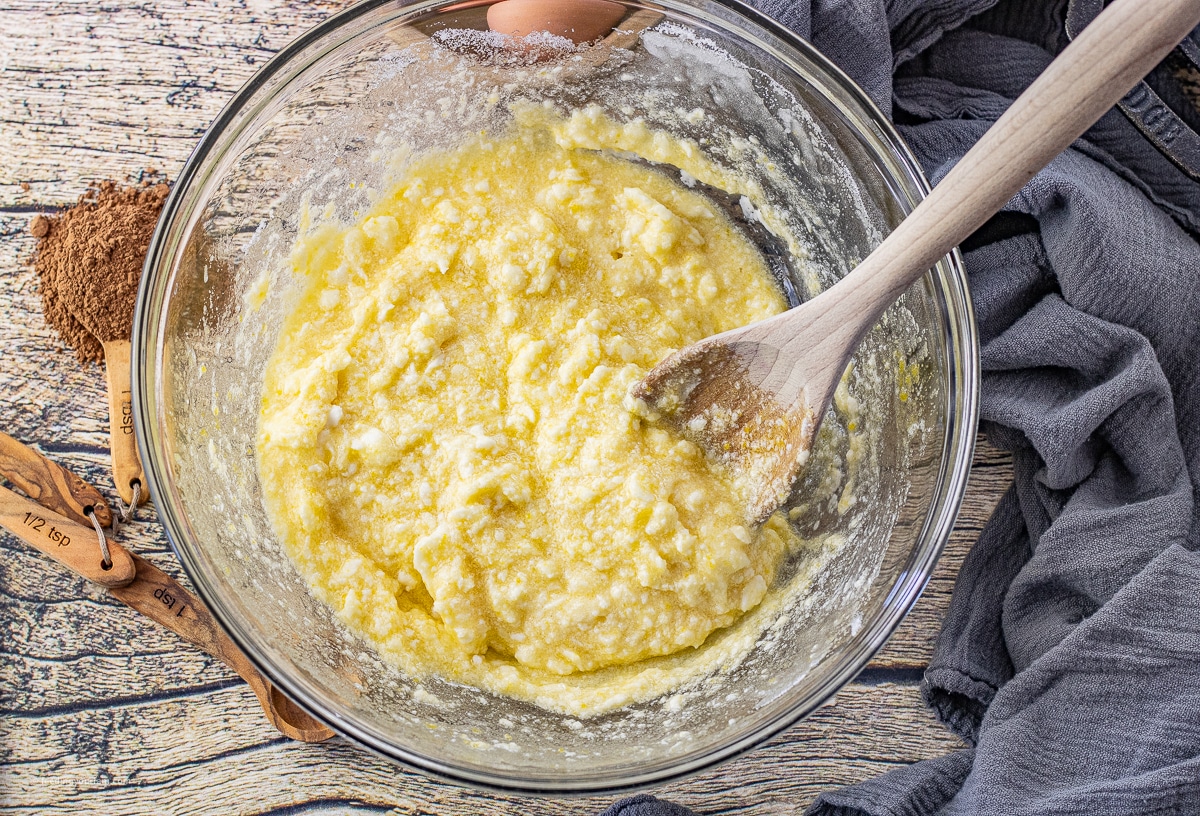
106, 312
754, 397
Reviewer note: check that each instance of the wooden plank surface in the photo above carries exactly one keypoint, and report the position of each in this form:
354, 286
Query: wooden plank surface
165, 755
103, 712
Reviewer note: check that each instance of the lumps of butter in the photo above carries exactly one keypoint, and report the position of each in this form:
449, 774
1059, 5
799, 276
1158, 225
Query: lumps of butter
444, 445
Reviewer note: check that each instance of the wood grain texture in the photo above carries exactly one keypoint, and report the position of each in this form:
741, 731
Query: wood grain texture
99, 90
162, 599
163, 755
102, 711
50, 484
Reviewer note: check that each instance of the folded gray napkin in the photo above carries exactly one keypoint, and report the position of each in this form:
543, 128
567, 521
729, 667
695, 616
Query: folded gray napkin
1070, 657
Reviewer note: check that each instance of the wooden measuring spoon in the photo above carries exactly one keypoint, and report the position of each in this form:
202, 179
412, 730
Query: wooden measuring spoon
130, 578
161, 598
74, 546
128, 475
754, 397
101, 293
50, 484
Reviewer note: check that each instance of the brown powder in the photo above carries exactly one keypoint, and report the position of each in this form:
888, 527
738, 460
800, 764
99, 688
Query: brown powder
89, 261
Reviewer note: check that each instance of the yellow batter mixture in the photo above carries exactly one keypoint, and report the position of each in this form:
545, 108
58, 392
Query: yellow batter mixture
444, 445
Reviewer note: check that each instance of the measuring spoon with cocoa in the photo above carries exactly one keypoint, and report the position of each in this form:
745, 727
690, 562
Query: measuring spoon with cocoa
100, 247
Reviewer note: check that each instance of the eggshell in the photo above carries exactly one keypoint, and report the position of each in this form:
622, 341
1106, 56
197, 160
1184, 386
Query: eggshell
580, 21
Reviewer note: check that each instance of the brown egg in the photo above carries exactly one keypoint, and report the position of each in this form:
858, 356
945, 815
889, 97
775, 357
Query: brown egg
580, 21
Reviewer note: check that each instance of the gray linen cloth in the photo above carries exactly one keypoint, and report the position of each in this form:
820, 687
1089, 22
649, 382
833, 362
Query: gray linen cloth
1070, 657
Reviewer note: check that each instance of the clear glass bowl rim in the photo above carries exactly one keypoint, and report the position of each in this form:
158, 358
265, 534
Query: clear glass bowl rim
961, 394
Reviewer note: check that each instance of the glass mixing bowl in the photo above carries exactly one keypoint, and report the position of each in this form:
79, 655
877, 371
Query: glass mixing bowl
319, 129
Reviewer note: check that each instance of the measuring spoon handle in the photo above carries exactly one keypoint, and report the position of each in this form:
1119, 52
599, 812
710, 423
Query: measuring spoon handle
50, 484
161, 598
126, 464
70, 544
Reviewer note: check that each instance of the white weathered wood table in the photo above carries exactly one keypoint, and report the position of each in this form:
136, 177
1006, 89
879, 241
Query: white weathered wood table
103, 712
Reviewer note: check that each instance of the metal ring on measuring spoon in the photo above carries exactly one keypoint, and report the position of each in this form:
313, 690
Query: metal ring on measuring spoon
127, 510
106, 556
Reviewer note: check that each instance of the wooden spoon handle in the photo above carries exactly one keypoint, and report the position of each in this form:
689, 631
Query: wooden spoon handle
70, 544
50, 484
126, 465
1091, 75
161, 598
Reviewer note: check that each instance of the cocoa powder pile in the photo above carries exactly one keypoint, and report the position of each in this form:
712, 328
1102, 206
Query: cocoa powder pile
89, 262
